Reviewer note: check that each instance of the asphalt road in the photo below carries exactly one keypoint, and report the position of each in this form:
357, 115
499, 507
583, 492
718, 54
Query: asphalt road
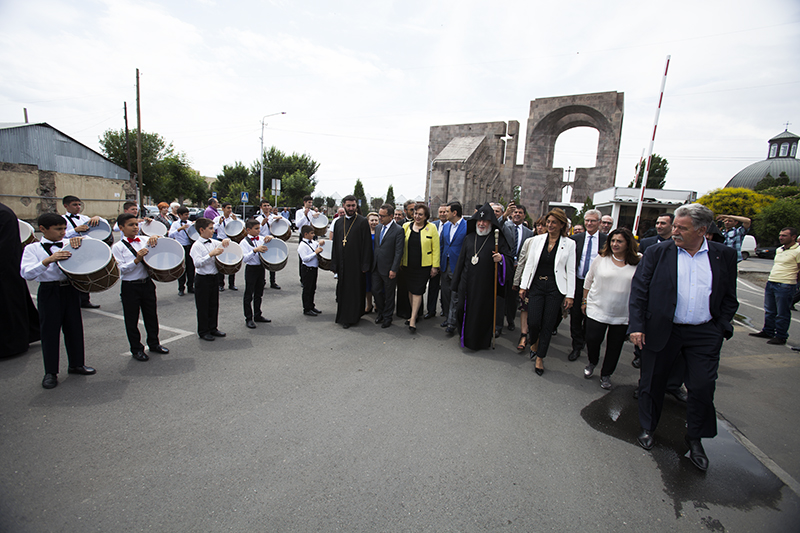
302, 426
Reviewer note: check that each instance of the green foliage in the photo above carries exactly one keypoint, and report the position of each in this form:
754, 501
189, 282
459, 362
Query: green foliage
278, 165
376, 204
657, 177
735, 201
361, 198
517, 192
330, 202
390, 196
319, 201
296, 185
785, 191
578, 217
774, 217
180, 181
154, 150
232, 181
768, 182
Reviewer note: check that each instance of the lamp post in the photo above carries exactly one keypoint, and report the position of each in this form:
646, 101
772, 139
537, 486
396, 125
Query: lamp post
261, 155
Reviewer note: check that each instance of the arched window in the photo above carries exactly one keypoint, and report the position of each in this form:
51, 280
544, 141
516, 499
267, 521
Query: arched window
784, 150
793, 152
773, 150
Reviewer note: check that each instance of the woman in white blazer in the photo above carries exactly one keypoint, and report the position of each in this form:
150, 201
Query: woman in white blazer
548, 281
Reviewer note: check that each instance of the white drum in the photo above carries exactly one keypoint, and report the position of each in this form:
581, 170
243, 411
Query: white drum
280, 228
165, 260
101, 232
230, 260
152, 228
191, 232
26, 235
234, 229
325, 255
275, 257
320, 224
92, 267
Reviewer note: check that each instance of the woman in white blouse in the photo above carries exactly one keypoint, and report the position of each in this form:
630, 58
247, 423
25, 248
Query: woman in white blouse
605, 301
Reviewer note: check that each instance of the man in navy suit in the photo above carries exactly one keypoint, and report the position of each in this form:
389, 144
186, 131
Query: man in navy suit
683, 298
587, 244
663, 232
451, 238
516, 234
389, 243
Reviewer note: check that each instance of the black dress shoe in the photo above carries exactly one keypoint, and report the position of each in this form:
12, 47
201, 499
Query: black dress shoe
250, 324
159, 349
309, 313
89, 305
761, 335
233, 287
345, 326
50, 381
180, 292
317, 311
378, 319
221, 289
190, 291
645, 439
386, 324
498, 331
140, 356
679, 394
450, 330
275, 286
428, 315
511, 326
443, 324
636, 394
573, 355
697, 455
637, 362
82, 370
207, 337
776, 340
217, 333
262, 319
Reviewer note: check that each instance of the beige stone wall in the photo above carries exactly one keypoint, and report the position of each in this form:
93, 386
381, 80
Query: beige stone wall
20, 180
94, 192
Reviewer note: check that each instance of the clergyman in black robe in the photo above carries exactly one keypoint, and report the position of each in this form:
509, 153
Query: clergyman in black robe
351, 258
475, 277
19, 320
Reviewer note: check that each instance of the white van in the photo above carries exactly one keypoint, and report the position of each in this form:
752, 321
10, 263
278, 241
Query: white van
749, 246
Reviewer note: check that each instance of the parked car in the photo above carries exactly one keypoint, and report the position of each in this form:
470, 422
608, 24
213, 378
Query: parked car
766, 252
749, 246
151, 211
195, 213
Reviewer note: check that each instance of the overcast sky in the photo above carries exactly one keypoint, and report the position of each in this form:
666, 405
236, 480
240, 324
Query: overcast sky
362, 82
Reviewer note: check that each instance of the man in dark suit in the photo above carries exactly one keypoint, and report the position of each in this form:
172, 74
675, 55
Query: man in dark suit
434, 282
451, 238
663, 232
587, 244
683, 298
389, 242
516, 234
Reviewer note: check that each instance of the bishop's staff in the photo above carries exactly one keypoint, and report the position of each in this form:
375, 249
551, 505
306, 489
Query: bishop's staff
494, 300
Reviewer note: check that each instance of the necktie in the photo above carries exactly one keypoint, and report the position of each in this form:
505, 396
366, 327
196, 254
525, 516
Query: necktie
516, 240
383, 232
135, 239
588, 260
50, 245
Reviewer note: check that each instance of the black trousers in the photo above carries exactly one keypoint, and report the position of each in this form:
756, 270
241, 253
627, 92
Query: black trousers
309, 280
699, 348
254, 282
60, 311
383, 290
544, 306
140, 296
231, 280
433, 292
577, 322
272, 277
595, 332
187, 278
512, 297
445, 282
206, 299
403, 305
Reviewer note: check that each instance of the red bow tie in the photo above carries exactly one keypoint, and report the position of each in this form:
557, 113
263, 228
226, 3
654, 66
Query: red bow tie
135, 239
255, 238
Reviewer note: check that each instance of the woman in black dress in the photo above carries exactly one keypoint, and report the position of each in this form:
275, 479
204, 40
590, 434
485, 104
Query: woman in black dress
420, 258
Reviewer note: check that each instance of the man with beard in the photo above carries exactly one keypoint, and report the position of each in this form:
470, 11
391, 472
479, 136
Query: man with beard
475, 277
350, 260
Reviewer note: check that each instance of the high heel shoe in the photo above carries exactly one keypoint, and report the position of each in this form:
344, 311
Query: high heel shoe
523, 341
533, 354
539, 371
412, 329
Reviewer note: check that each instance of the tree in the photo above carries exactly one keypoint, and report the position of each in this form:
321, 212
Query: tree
330, 202
154, 150
278, 165
390, 196
295, 186
180, 181
735, 201
376, 204
232, 181
774, 217
657, 177
319, 201
361, 198
578, 217
768, 182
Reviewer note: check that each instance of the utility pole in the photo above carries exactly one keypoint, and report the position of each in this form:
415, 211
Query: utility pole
127, 141
139, 145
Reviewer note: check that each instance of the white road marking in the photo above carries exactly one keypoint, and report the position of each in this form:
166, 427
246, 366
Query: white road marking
180, 332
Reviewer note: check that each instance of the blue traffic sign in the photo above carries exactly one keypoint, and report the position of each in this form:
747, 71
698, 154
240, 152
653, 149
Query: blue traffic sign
213, 195
245, 197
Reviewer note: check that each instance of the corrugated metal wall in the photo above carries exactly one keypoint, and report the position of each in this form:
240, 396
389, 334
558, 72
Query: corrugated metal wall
49, 149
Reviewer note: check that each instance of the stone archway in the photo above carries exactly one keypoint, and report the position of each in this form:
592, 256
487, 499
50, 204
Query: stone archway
549, 118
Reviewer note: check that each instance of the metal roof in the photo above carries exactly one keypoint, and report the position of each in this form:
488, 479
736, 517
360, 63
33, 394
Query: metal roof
784, 135
749, 176
459, 149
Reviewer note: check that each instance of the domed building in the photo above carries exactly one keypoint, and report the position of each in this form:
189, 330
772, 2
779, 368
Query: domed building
780, 158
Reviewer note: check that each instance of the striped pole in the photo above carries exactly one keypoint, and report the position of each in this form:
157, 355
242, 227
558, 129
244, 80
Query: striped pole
650, 151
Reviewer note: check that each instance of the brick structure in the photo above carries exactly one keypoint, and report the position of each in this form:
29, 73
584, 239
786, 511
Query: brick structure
474, 163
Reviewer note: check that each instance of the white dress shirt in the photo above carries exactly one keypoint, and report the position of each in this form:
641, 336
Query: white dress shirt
592, 253
454, 228
219, 227
248, 255
181, 236
264, 220
31, 267
74, 221
307, 250
694, 287
204, 264
128, 269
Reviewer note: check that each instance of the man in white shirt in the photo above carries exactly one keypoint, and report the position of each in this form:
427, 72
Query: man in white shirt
220, 228
179, 230
78, 223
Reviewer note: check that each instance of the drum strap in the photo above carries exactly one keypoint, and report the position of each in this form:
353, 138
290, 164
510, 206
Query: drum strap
129, 246
309, 245
69, 218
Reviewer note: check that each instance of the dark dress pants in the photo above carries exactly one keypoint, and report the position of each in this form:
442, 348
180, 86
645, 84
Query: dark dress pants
136, 296
187, 278
383, 290
544, 306
512, 298
445, 282
309, 280
577, 322
433, 292
254, 283
206, 298
60, 310
615, 339
231, 280
699, 347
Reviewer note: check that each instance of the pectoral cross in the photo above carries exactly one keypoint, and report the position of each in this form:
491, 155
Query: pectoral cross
344, 241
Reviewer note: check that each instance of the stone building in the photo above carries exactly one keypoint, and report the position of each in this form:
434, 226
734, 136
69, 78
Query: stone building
39, 165
474, 163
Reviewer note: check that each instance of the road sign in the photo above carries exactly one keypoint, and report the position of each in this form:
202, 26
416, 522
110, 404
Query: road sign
245, 197
213, 195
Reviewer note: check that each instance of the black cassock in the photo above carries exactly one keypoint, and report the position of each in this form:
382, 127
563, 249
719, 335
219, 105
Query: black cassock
19, 320
477, 286
350, 260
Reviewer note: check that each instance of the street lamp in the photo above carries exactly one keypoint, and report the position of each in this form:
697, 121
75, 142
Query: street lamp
261, 155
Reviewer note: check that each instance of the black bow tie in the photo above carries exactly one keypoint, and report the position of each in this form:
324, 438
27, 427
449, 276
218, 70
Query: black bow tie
73, 216
50, 245
207, 241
